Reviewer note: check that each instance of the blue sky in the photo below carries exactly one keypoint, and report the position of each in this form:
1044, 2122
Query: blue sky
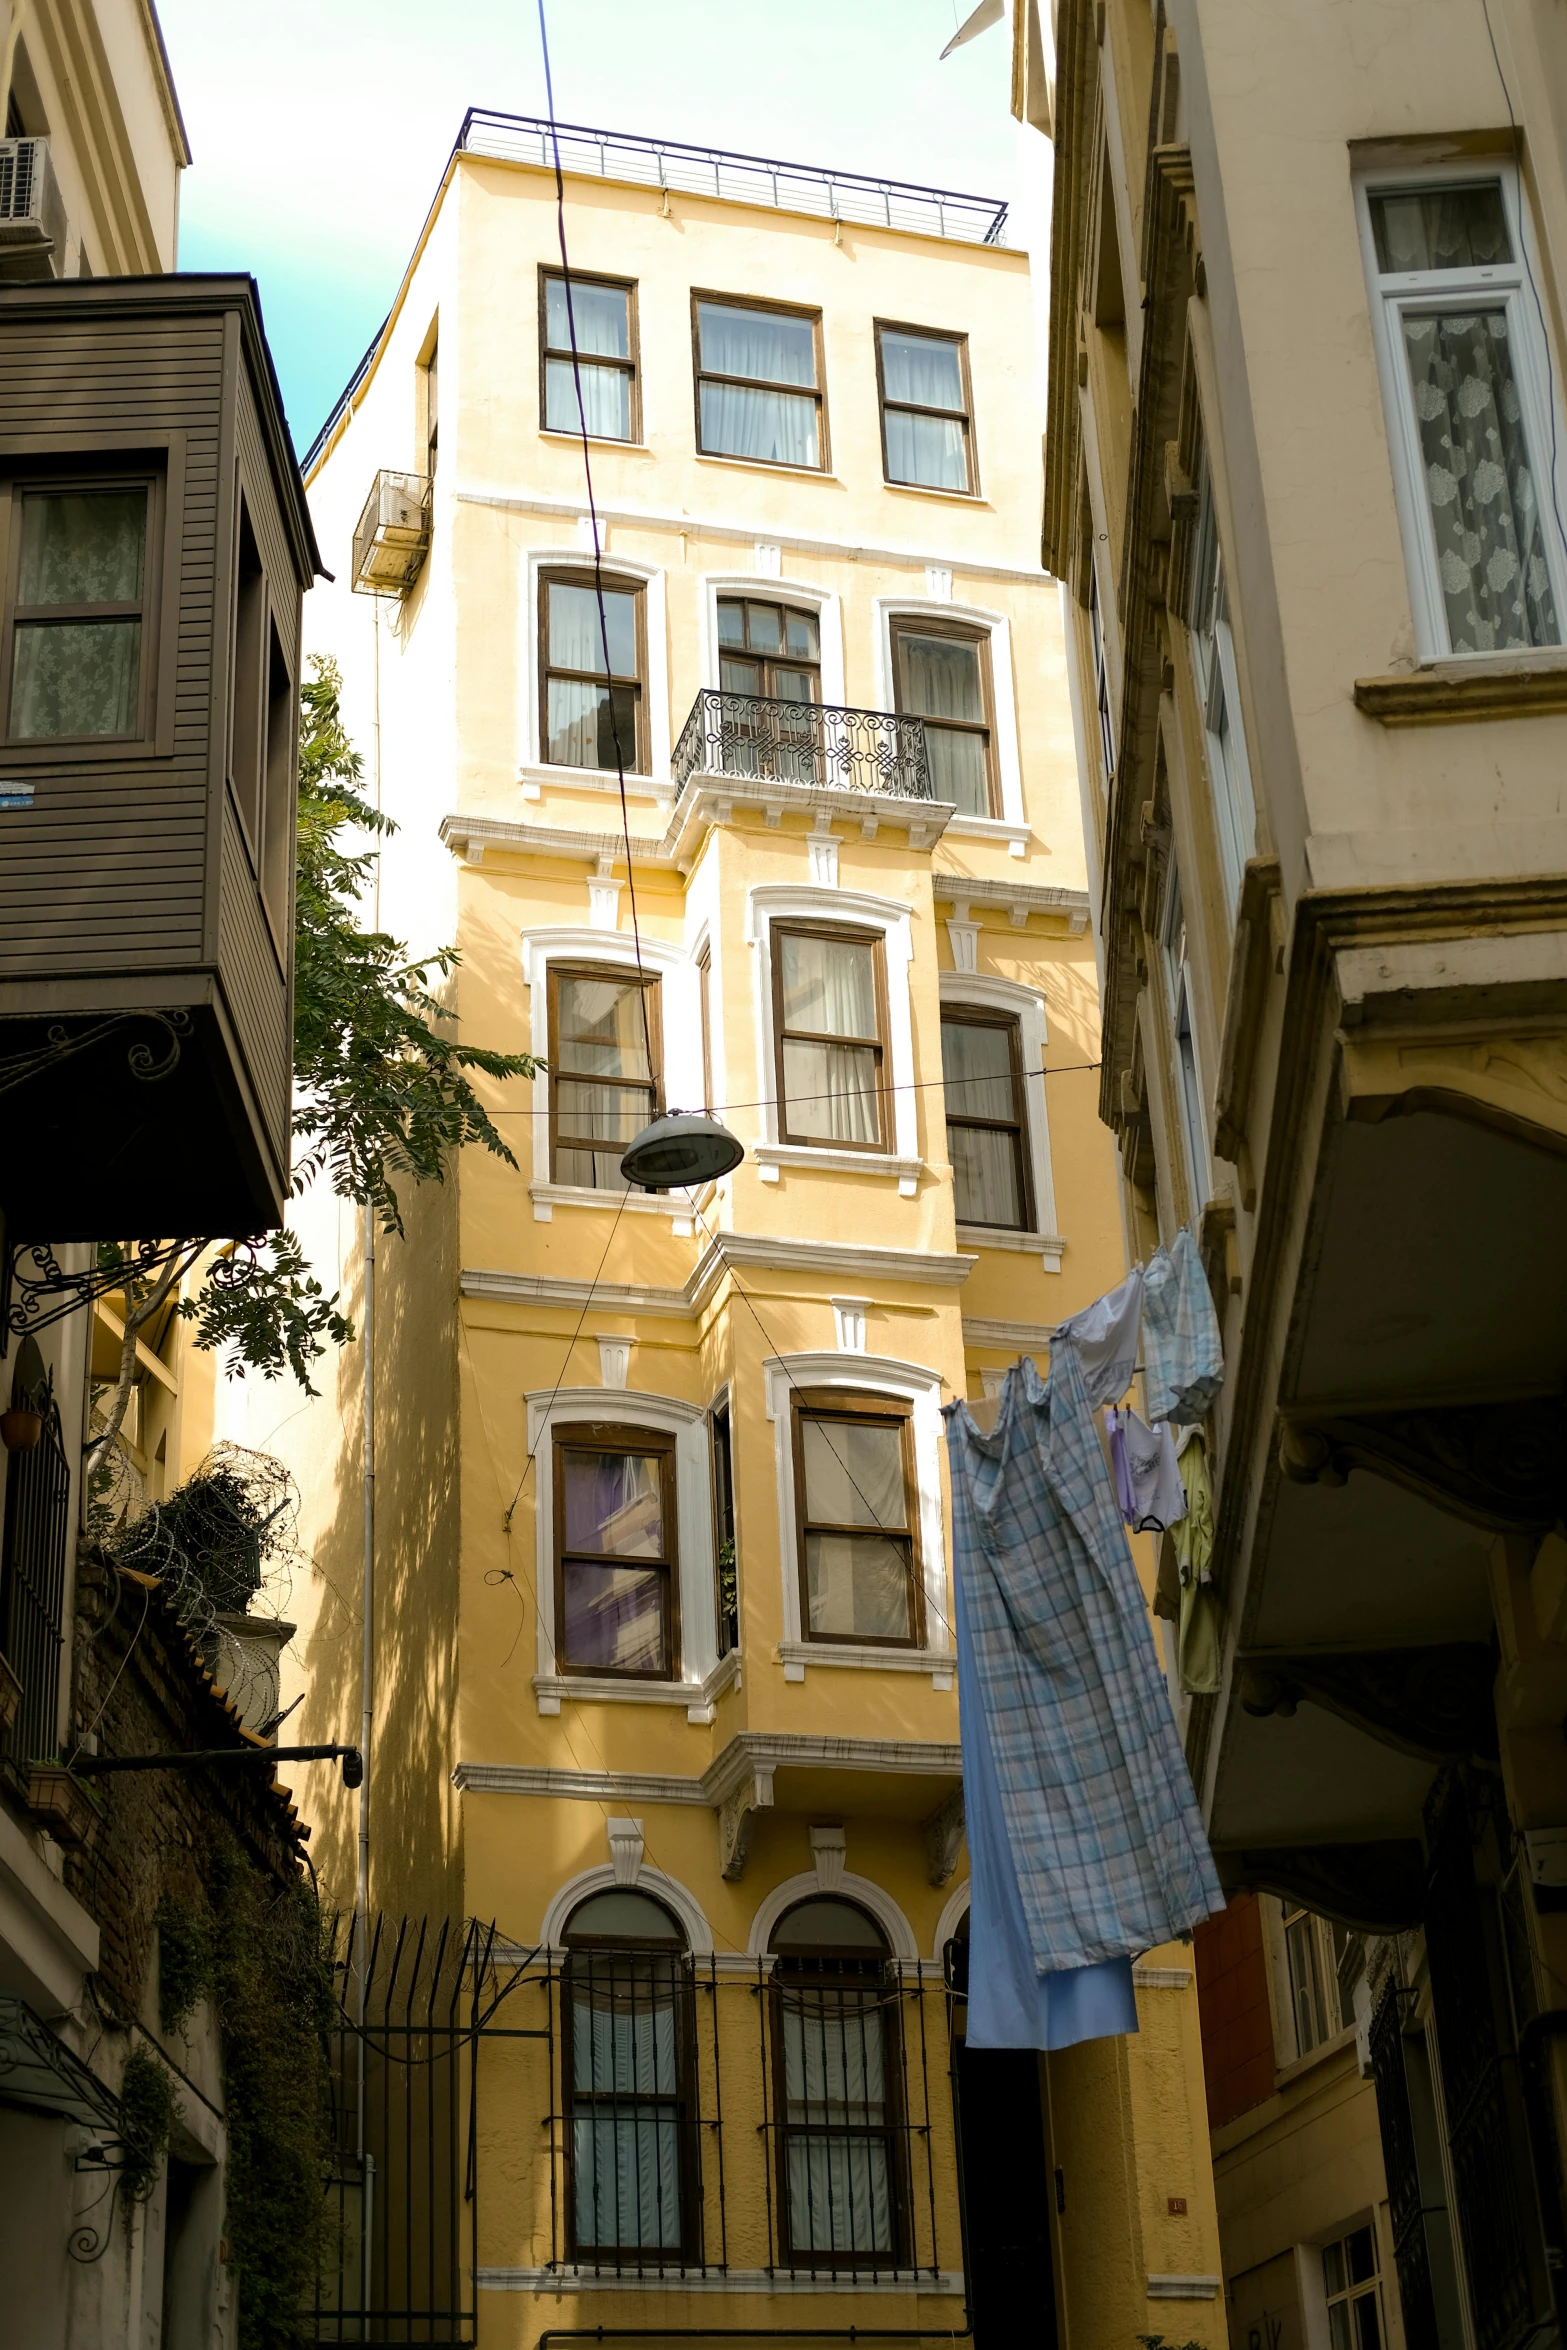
320, 127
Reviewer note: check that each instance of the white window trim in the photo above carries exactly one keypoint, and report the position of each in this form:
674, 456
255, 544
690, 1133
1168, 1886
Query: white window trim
910, 1383
1026, 1005
687, 1422
1196, 1148
1009, 764
870, 1897
1389, 296
763, 589
951, 1918
669, 1890
533, 769
681, 1019
705, 929
892, 921
1230, 790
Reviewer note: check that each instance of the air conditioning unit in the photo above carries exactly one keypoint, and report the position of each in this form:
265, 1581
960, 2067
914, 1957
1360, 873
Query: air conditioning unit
32, 211
393, 535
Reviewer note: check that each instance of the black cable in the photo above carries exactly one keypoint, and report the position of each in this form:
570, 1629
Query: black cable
857, 1092
566, 1361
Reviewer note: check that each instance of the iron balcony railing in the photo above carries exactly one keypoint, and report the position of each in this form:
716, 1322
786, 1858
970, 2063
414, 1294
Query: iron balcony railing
750, 737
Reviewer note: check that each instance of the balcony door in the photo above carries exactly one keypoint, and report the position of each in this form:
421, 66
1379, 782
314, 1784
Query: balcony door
770, 654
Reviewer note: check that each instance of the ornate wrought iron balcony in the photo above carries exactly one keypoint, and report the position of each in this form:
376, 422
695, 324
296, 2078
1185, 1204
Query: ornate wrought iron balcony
751, 738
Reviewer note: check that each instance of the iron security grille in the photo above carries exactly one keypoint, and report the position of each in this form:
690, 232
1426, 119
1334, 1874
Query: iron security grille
750, 736
32, 1574
1401, 2162
18, 174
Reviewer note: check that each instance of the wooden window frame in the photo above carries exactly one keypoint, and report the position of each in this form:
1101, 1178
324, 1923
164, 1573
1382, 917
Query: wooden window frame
596, 1949
699, 375
902, 624
721, 1409
876, 941
768, 662
89, 467
619, 975
817, 1403
965, 414
612, 582
958, 1015
621, 1436
630, 367
824, 1971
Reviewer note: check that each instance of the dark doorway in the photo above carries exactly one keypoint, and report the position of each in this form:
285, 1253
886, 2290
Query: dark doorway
1004, 2167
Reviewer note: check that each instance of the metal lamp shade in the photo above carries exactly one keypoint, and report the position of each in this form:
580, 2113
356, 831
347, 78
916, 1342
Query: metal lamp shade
679, 1151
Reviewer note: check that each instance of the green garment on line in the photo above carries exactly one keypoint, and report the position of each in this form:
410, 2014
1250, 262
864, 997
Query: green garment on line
1185, 1595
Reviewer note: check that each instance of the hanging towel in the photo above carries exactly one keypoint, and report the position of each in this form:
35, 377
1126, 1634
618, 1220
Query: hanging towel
1197, 1638
1105, 1335
1183, 1360
1148, 1479
1092, 1789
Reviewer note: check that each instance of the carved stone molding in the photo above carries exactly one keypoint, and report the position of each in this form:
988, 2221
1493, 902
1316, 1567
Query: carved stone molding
1499, 1466
1436, 1703
1376, 1888
737, 1820
1514, 1081
942, 1830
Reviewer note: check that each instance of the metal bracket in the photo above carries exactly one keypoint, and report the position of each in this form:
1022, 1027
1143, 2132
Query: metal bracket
34, 1300
62, 1043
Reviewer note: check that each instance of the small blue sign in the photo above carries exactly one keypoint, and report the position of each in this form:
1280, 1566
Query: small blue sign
16, 795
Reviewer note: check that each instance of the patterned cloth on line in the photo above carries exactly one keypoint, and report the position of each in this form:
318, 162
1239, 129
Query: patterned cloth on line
1183, 1360
1100, 1817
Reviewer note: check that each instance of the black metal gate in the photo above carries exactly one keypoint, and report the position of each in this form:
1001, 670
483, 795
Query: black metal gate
32, 1578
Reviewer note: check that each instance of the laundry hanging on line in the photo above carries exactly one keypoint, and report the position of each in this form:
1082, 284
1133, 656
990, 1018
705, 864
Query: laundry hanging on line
1148, 1480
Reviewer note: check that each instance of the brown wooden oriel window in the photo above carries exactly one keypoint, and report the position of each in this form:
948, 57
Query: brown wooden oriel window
726, 1574
617, 1601
838, 2065
858, 1520
604, 1058
941, 673
79, 645
599, 315
829, 1027
591, 667
922, 379
982, 1072
759, 382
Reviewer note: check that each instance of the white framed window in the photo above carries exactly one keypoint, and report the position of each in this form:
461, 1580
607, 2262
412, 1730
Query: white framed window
641, 584
1467, 383
1311, 1962
992, 997
1352, 2290
1188, 1070
1218, 691
897, 618
715, 587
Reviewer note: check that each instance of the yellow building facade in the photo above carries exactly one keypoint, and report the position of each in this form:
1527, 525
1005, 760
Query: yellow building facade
652, 1520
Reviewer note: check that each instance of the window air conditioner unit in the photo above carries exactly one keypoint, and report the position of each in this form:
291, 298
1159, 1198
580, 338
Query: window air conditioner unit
32, 211
393, 535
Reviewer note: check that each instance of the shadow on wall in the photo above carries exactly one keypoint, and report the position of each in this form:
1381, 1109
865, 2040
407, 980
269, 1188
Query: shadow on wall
414, 1862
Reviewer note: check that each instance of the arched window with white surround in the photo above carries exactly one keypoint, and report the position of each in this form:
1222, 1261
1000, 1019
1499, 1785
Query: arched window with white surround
993, 1036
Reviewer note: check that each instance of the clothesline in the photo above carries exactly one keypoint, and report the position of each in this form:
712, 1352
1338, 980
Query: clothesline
852, 1093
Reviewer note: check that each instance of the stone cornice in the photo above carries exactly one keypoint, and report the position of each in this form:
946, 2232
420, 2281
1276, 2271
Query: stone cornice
1458, 693
741, 1757
723, 1250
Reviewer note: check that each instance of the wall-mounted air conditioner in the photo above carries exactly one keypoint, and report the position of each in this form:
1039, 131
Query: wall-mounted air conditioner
393, 534
32, 211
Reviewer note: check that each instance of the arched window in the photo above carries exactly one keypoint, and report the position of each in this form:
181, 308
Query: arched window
837, 2065
626, 2063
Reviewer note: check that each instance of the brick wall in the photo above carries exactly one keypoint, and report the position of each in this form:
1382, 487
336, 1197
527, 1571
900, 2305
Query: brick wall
1232, 1996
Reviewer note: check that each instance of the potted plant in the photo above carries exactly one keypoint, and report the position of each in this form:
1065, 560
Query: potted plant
20, 1428
60, 1803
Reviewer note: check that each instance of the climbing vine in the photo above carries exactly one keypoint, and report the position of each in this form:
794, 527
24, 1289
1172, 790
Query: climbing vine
147, 2111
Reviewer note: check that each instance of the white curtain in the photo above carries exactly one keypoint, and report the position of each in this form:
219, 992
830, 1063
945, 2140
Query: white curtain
601, 317
606, 399
829, 985
922, 369
840, 2197
626, 2156
740, 421
857, 1585
778, 427
976, 1064
929, 451
576, 638
760, 344
599, 314
984, 1173
941, 677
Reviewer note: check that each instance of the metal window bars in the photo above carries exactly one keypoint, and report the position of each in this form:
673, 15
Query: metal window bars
32, 1568
751, 737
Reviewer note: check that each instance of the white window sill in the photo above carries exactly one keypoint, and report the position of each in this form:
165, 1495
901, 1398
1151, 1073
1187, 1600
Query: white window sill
1286, 2073
1048, 1246
700, 1698
547, 1197
931, 489
797, 1654
996, 828
599, 440
536, 777
770, 1157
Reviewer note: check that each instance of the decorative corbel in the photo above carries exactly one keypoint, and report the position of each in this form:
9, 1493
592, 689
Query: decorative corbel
625, 1849
830, 1852
942, 1830
737, 1818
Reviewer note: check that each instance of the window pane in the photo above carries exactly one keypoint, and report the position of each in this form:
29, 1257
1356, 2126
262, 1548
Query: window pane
976, 1067
1338, 2326
577, 636
958, 769
1490, 554
587, 722
83, 547
620, 1915
594, 1170
827, 1924
602, 1030
831, 1091
828, 985
1368, 2330
600, 314
614, 1502
802, 635
794, 685
779, 427
75, 677
835, 2109
857, 1587
740, 677
760, 344
765, 623
1333, 2267
731, 623
984, 1176
608, 1114
1362, 2253
853, 1474
606, 399
614, 1618
922, 368
1441, 228
941, 677
929, 451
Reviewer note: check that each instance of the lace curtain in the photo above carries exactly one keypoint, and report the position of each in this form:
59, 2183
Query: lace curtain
835, 2090
78, 676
